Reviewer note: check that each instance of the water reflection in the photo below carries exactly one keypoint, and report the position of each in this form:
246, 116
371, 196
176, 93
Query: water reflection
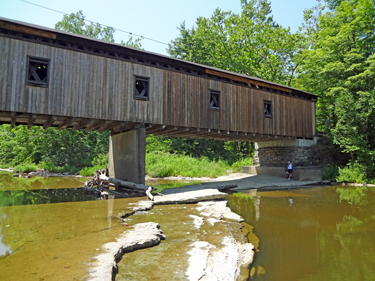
43, 196
312, 234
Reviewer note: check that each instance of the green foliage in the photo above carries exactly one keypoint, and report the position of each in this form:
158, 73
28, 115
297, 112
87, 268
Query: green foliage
100, 160
166, 164
245, 197
353, 173
251, 43
26, 167
236, 166
174, 184
155, 144
229, 151
340, 68
330, 173
52, 149
76, 23
90, 171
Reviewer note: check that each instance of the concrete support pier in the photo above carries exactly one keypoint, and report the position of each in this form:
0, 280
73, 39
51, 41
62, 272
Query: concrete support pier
127, 158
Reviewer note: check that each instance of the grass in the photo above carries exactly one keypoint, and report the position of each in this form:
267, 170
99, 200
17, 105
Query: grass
90, 171
175, 184
158, 164
240, 195
166, 164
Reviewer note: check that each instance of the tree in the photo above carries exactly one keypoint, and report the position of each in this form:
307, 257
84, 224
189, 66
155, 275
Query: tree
340, 69
76, 23
250, 43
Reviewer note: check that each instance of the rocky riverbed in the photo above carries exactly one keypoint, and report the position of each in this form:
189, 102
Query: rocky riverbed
226, 259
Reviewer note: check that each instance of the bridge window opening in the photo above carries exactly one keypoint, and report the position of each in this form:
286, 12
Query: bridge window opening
141, 88
37, 73
214, 99
267, 108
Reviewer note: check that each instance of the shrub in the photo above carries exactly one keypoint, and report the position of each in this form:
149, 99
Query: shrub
353, 173
236, 166
330, 173
90, 171
25, 167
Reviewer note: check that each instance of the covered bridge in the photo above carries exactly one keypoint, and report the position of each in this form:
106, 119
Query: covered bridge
54, 78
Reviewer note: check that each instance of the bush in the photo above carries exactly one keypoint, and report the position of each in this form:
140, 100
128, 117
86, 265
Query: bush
353, 173
25, 167
90, 171
236, 166
330, 173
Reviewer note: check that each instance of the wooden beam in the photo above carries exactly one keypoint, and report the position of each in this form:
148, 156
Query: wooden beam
49, 122
94, 124
123, 127
31, 121
108, 126
28, 30
246, 80
156, 128
166, 131
13, 119
81, 124
68, 122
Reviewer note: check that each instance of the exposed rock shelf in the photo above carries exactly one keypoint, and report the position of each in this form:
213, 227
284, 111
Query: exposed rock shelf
225, 260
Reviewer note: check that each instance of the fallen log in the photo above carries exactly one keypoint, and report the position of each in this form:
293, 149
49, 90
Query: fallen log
126, 184
227, 187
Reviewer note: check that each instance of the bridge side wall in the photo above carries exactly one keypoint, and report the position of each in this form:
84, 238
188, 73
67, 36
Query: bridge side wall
186, 103
93, 86
80, 85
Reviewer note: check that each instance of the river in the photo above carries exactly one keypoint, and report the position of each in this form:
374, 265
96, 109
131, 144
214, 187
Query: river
321, 233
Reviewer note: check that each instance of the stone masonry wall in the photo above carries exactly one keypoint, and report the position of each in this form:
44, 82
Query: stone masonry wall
316, 155
279, 156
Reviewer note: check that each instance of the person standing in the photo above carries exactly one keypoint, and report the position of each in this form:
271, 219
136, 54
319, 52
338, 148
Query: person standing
290, 169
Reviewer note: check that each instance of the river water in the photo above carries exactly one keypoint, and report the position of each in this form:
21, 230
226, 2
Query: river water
321, 233
50, 230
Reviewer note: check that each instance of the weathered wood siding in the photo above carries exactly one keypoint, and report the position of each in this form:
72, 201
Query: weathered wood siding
93, 86
186, 103
80, 85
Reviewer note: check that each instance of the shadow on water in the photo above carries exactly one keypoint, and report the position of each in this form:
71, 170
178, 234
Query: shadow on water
322, 233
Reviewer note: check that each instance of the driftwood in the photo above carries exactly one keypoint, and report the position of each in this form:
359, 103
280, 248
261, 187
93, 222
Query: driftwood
126, 184
148, 192
101, 179
96, 183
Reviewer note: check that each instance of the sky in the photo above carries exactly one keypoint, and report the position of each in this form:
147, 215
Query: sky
155, 19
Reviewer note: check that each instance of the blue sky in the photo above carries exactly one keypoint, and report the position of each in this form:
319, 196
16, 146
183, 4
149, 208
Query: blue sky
156, 19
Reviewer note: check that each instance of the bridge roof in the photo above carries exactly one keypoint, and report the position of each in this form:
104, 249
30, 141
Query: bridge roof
118, 51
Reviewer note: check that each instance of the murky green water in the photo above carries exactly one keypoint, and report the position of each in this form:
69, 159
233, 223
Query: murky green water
323, 233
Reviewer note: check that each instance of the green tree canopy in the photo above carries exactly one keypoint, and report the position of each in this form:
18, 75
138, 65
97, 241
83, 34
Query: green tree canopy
76, 23
340, 69
251, 43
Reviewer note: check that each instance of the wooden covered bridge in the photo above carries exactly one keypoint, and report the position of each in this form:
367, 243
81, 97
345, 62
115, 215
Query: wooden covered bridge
54, 78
